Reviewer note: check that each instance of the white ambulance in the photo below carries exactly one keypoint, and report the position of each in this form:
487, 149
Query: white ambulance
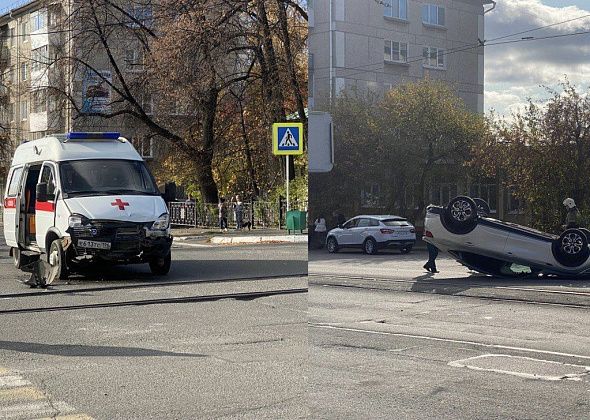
81, 198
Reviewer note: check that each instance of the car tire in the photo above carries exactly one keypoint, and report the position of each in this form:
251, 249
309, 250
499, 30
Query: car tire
571, 249
406, 249
460, 215
332, 245
370, 246
161, 266
56, 258
483, 208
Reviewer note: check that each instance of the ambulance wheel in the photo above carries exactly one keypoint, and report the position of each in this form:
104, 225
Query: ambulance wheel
57, 262
21, 260
161, 266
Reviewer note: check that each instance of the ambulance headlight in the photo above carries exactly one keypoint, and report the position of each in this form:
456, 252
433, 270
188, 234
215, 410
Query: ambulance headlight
162, 222
77, 220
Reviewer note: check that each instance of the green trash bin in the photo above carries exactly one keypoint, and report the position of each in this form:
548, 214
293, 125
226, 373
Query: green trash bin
296, 220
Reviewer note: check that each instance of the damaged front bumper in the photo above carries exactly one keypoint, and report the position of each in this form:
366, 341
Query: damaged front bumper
116, 241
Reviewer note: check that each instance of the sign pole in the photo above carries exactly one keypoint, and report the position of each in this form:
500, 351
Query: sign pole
287, 168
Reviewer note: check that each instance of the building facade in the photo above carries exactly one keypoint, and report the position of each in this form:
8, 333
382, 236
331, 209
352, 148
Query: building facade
366, 47
372, 45
38, 77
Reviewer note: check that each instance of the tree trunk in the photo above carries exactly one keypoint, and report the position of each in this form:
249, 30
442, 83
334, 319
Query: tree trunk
204, 158
250, 165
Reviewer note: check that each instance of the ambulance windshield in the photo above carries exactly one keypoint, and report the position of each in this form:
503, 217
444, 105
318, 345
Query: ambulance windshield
105, 177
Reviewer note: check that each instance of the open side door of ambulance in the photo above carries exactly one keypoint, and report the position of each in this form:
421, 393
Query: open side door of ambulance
12, 206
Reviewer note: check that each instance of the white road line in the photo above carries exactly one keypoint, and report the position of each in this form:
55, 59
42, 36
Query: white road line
36, 410
464, 363
450, 340
12, 381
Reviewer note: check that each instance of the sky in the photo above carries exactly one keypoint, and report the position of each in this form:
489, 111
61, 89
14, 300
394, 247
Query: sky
514, 72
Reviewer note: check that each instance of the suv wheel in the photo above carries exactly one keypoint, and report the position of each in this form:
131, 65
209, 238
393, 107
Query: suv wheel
460, 215
370, 246
571, 249
332, 245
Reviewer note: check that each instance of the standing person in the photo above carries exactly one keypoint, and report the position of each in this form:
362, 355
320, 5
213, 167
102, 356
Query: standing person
222, 211
320, 230
239, 212
432, 254
571, 220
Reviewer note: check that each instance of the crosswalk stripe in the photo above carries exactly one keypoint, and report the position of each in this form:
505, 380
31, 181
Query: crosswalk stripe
12, 381
35, 410
21, 393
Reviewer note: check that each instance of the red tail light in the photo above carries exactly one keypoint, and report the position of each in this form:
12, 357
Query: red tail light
428, 234
387, 231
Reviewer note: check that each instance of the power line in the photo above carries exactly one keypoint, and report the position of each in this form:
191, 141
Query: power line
471, 46
482, 44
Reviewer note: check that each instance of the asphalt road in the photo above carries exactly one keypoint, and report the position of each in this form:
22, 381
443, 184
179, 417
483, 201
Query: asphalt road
387, 341
223, 336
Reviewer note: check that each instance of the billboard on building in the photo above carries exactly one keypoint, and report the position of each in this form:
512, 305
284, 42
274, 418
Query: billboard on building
96, 91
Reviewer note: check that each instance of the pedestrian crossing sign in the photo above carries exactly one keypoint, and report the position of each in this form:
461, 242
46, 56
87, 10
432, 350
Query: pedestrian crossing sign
287, 138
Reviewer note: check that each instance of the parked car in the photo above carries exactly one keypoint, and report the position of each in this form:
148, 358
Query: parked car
491, 246
371, 233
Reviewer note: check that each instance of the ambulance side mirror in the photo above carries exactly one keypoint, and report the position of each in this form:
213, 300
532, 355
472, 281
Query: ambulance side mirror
41, 192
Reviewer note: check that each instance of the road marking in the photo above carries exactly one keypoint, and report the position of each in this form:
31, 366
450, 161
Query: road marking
12, 381
20, 393
469, 364
449, 340
19, 399
35, 410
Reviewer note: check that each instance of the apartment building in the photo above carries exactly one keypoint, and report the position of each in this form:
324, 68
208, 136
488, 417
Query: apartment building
372, 45
34, 85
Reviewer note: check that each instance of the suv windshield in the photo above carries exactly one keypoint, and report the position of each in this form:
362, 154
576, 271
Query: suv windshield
106, 177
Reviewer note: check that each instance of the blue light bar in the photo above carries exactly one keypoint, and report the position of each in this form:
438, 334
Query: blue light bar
80, 135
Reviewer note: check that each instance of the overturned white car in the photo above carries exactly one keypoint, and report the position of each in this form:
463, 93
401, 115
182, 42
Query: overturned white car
499, 248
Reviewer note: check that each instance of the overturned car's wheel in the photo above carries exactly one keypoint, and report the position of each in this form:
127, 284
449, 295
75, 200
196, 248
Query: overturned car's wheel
571, 249
161, 266
460, 215
483, 208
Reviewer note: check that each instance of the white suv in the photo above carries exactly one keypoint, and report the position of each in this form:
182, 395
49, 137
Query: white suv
370, 233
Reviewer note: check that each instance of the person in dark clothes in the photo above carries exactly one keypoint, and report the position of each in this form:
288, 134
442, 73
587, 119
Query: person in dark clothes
432, 254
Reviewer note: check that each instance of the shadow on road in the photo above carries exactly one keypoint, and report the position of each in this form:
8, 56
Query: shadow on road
78, 350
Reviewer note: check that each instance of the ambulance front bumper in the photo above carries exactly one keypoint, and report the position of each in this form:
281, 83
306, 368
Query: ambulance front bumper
119, 241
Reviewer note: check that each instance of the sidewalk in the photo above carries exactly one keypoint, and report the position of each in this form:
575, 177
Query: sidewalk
232, 236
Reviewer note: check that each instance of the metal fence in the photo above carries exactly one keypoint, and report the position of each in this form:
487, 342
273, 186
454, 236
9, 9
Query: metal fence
260, 214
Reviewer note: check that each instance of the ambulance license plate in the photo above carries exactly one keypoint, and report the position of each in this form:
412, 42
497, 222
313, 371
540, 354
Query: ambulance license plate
93, 244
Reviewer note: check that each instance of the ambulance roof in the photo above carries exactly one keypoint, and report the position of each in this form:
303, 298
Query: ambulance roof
59, 148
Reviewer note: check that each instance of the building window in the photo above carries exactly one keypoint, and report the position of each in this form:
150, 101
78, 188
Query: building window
433, 15
339, 86
24, 110
434, 57
12, 37
513, 204
134, 60
441, 194
145, 147
396, 9
147, 103
487, 192
396, 51
39, 58
140, 15
371, 197
39, 101
39, 20
24, 31
24, 72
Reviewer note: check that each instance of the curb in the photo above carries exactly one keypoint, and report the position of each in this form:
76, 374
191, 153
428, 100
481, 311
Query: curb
258, 239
